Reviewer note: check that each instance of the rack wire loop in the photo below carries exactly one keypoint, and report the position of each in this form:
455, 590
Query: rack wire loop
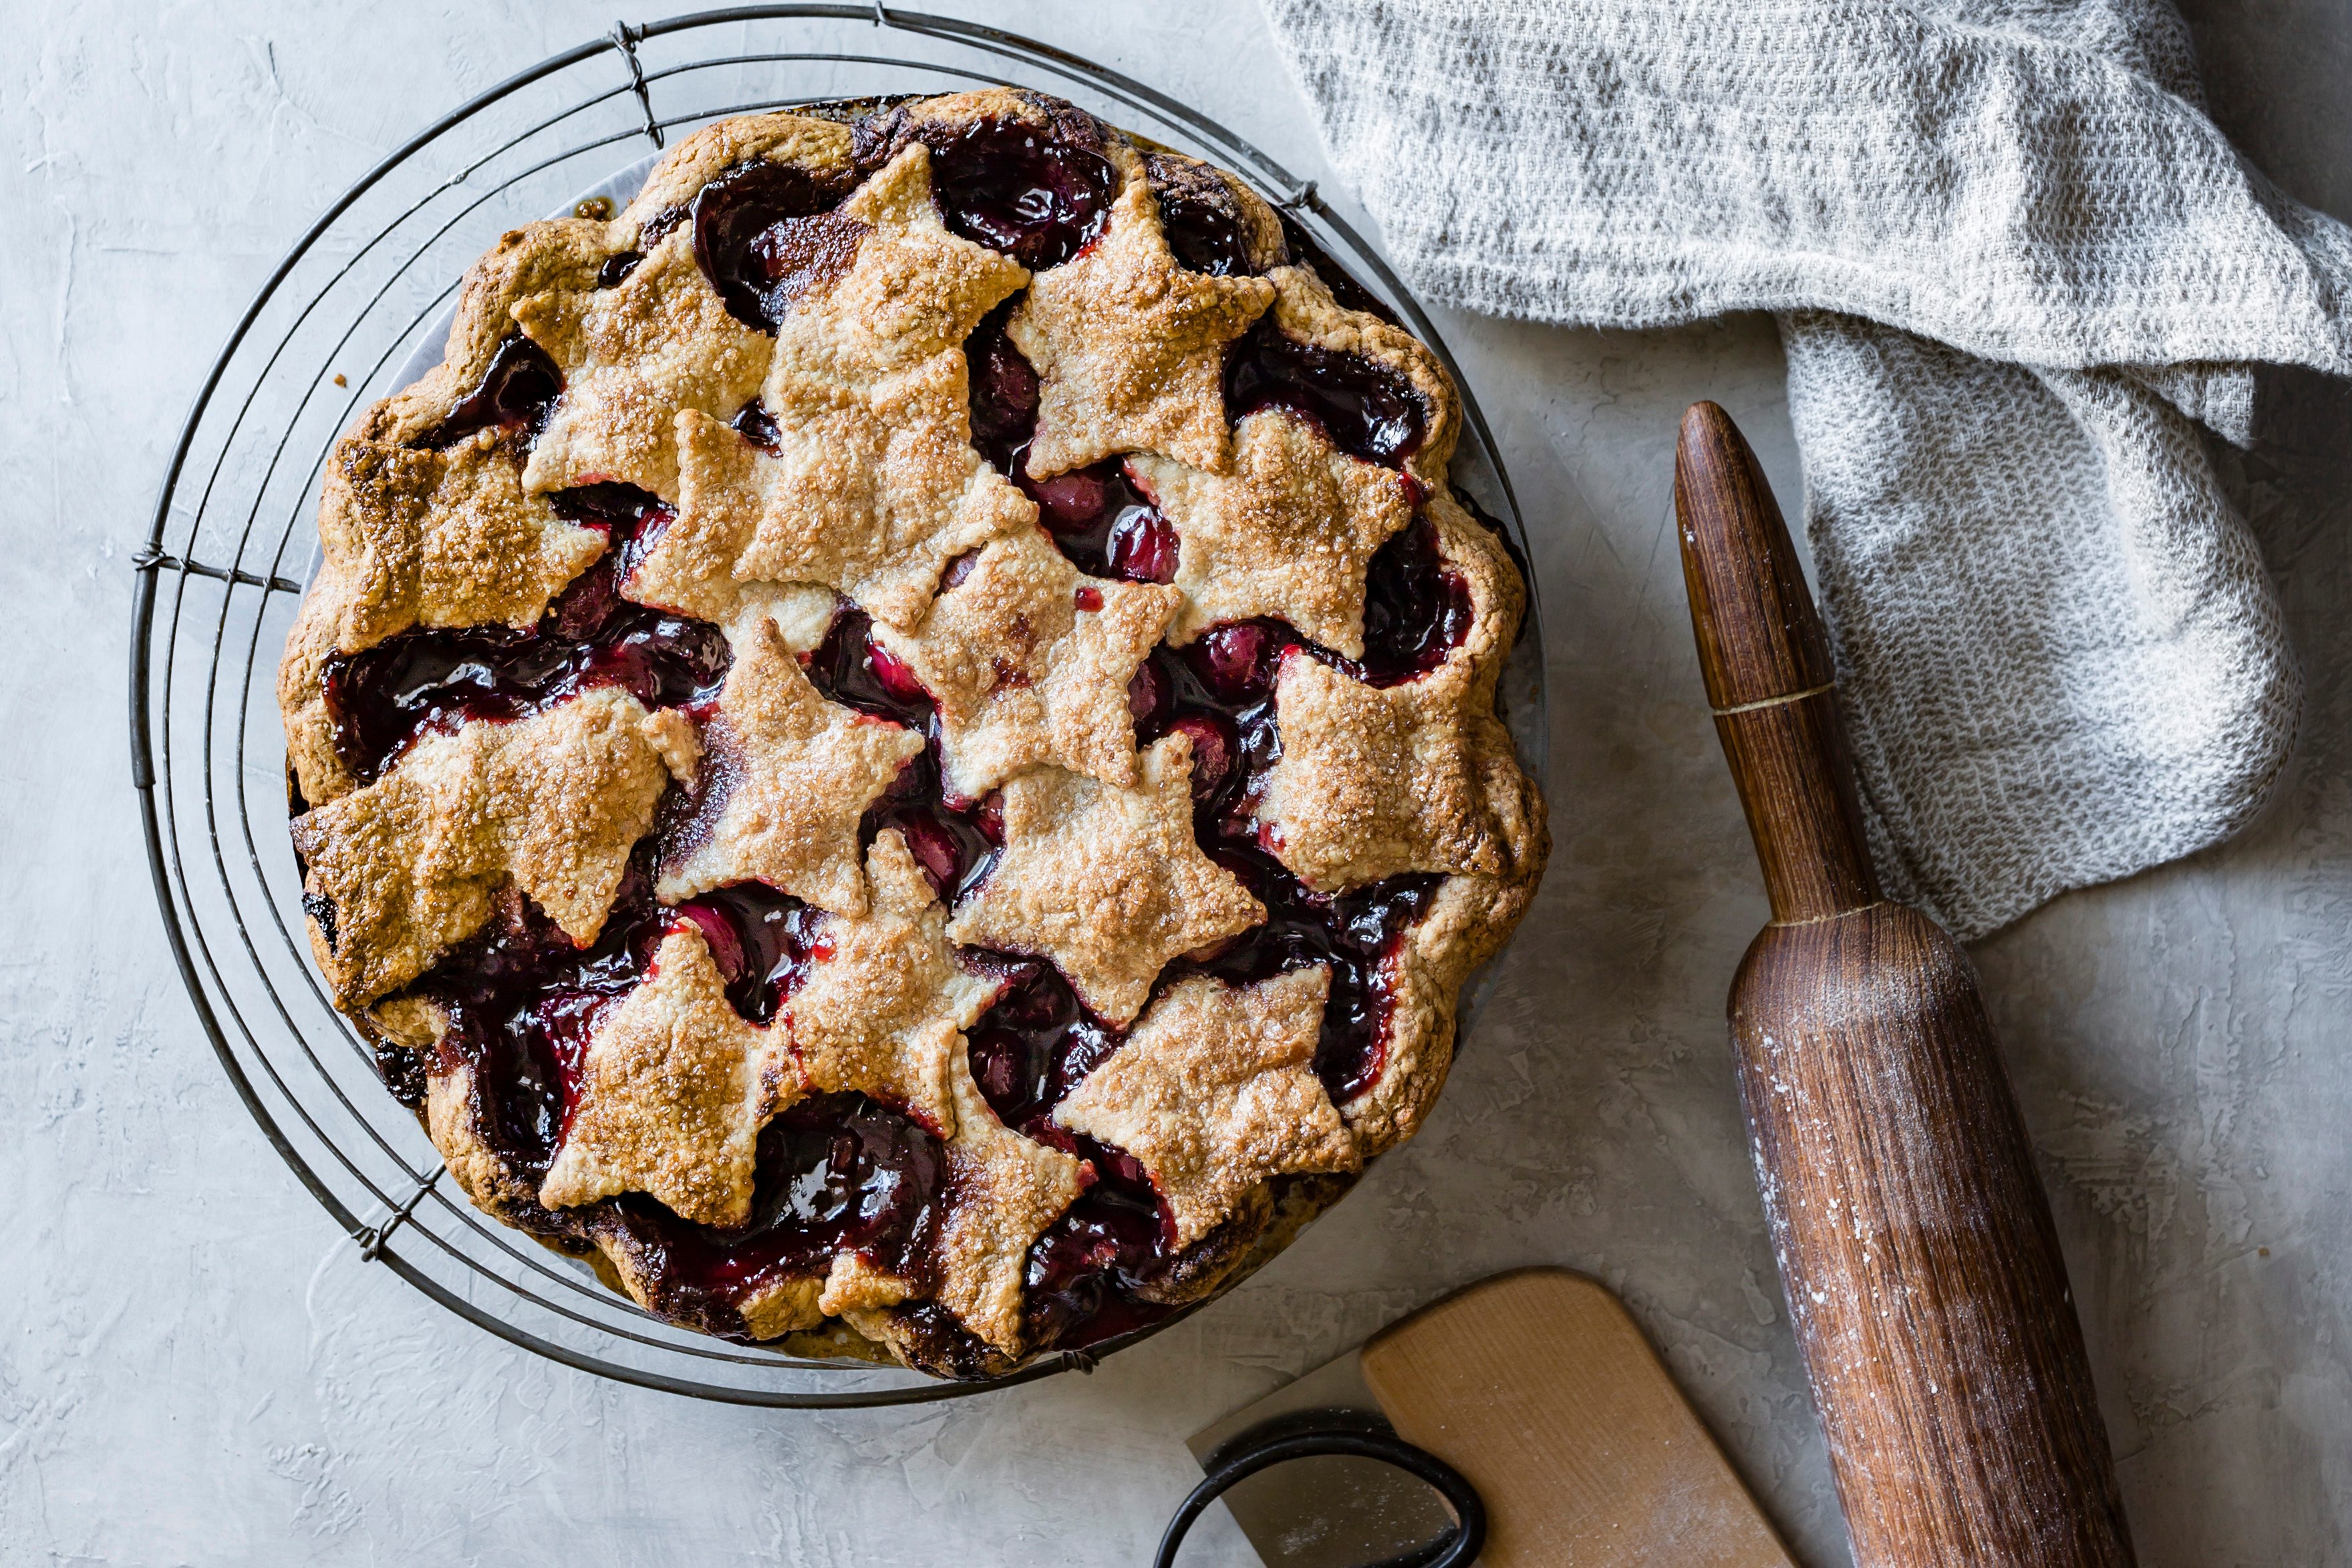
626, 38
373, 1238
356, 308
148, 558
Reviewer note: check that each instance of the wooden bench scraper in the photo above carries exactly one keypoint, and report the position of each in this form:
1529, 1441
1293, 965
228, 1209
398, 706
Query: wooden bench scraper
1540, 1388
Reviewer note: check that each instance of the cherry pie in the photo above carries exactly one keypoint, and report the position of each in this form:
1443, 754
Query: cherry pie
899, 748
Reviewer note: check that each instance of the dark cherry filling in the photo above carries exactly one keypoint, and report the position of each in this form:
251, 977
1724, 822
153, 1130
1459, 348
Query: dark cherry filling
1088, 1273
1200, 216
1367, 409
1102, 520
1029, 1050
423, 681
755, 424
763, 940
1098, 516
834, 1171
1203, 238
1417, 610
517, 393
1039, 198
765, 233
1004, 393
954, 840
523, 1001
1026, 1054
1358, 934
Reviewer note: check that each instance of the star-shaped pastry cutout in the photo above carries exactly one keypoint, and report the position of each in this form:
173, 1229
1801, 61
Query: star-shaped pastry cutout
1373, 781
690, 570
871, 490
1030, 661
1130, 347
1289, 533
674, 1088
1420, 776
883, 1011
634, 356
1004, 1190
912, 291
783, 779
1215, 1091
1106, 882
870, 484
442, 538
400, 872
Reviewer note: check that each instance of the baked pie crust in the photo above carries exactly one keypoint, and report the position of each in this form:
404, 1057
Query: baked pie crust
899, 746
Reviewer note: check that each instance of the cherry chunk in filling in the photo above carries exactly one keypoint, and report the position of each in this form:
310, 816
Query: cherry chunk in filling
429, 681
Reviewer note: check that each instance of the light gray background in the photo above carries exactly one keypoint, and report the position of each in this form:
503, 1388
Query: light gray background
194, 1368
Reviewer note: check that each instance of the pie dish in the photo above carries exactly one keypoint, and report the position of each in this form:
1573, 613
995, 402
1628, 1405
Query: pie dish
897, 748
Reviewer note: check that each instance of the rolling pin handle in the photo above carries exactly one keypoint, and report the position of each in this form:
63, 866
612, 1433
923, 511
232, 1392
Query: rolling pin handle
1766, 658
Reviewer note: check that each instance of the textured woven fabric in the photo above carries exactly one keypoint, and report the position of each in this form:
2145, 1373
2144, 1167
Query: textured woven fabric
2015, 267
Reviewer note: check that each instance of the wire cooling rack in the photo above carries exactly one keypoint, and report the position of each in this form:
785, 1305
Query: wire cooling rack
365, 292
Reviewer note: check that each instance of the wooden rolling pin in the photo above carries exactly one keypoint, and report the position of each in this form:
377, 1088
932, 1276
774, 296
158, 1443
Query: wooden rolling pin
1914, 1243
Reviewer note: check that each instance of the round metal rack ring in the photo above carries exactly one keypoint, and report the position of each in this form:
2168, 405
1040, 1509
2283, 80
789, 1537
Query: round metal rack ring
359, 293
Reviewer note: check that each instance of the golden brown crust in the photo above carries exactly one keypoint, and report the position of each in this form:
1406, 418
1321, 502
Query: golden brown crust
1215, 1092
1289, 533
864, 484
1030, 663
784, 778
1130, 347
401, 872
1107, 881
443, 538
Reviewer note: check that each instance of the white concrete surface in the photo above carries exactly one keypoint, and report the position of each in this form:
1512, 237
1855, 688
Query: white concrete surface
194, 1368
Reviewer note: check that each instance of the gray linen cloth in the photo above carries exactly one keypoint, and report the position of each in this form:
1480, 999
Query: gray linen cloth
2015, 267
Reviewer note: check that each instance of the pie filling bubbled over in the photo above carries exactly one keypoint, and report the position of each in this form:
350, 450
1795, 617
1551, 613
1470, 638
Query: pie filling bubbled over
842, 1170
